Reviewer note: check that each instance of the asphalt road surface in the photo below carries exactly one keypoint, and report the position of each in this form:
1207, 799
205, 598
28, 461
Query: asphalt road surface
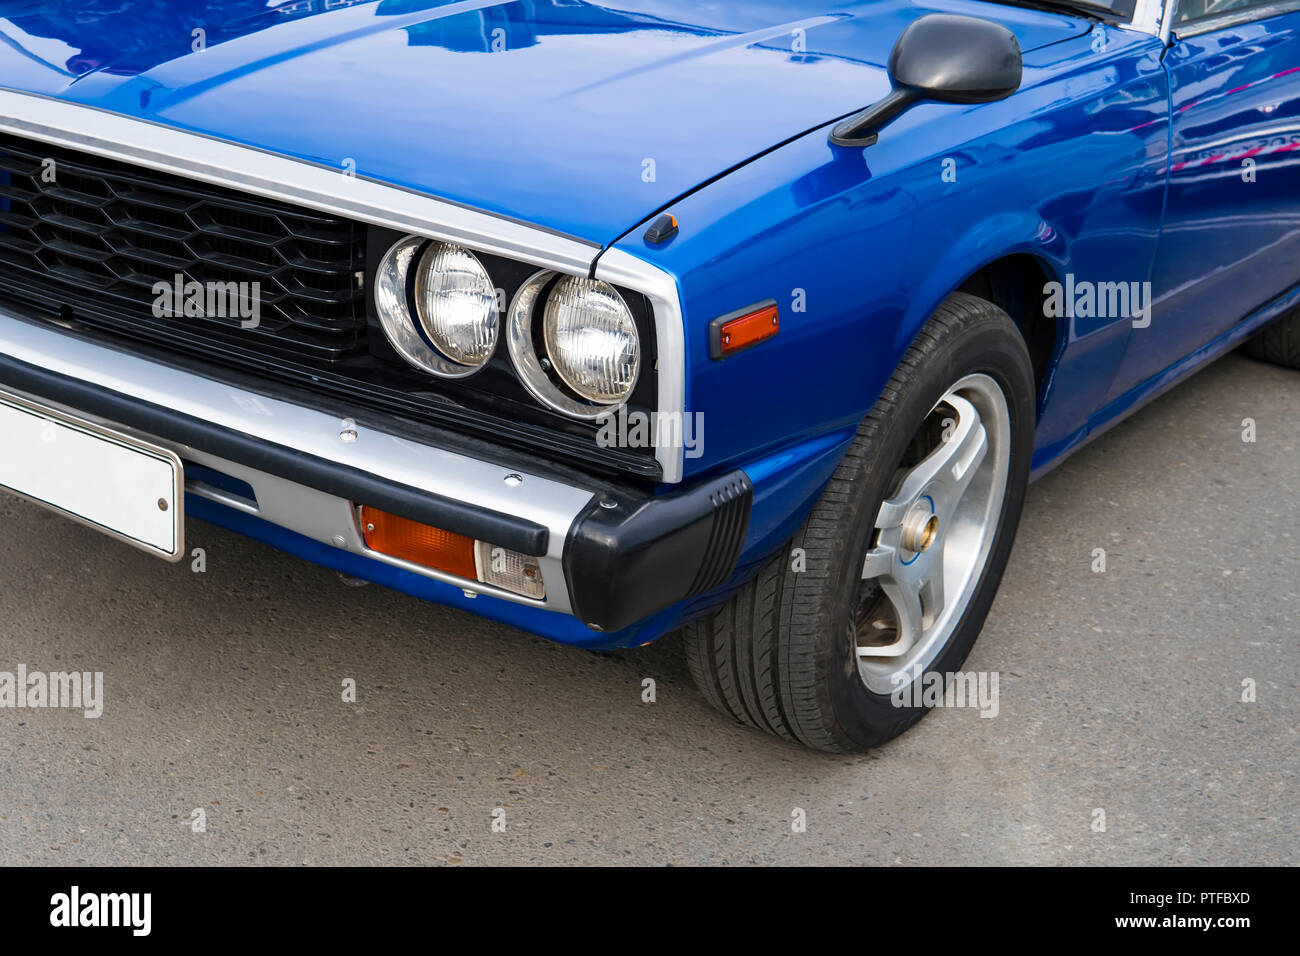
1119, 691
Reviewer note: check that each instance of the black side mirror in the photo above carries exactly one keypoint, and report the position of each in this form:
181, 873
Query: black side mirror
942, 57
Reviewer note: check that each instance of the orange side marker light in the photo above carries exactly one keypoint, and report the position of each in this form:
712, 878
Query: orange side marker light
744, 329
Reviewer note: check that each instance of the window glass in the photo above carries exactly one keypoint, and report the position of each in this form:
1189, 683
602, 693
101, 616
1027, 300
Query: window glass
1187, 10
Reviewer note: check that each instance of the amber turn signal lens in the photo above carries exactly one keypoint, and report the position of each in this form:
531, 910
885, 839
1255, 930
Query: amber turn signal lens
418, 543
730, 335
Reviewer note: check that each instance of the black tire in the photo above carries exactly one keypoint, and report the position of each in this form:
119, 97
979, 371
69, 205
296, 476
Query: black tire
780, 656
1279, 342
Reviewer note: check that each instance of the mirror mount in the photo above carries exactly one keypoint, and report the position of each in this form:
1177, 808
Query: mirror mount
943, 58
862, 129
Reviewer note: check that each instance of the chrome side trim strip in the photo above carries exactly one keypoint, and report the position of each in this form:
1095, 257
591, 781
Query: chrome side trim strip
621, 268
424, 467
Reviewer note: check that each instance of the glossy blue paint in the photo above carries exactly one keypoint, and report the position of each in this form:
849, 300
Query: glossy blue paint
1118, 161
1069, 171
542, 110
1231, 235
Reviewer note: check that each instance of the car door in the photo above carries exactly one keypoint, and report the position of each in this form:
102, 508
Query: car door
1230, 241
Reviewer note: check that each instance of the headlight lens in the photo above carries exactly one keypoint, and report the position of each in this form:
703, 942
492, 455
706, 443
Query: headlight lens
454, 300
586, 355
591, 339
457, 304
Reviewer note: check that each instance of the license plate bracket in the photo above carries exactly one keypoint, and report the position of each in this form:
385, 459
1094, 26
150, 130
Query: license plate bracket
129, 489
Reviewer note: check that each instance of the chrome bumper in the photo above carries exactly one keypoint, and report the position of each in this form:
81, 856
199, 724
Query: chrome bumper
609, 556
533, 504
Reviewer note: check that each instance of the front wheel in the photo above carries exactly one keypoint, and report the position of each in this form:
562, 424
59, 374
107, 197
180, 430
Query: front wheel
894, 571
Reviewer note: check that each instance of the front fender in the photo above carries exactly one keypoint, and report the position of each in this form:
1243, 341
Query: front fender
858, 246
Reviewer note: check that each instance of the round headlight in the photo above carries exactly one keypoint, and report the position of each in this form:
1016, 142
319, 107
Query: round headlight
457, 304
586, 354
591, 340
453, 299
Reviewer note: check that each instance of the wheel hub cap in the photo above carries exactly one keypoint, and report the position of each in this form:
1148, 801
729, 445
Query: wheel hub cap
920, 529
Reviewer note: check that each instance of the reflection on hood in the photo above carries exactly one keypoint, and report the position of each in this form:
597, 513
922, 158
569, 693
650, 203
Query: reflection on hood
129, 37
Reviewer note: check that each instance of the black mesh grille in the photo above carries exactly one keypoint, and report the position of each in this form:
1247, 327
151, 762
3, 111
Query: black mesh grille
96, 235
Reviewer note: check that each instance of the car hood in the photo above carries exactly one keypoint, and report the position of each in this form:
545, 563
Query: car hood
582, 117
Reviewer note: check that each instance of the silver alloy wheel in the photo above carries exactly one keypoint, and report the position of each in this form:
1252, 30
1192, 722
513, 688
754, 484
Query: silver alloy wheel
934, 536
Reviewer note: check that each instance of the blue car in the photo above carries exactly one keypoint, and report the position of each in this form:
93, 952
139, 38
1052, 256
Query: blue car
608, 320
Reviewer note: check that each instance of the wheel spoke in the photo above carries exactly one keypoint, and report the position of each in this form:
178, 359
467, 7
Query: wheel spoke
879, 563
931, 588
947, 470
963, 453
924, 559
907, 609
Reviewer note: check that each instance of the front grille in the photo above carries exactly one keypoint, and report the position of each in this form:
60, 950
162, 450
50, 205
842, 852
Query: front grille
84, 240
97, 235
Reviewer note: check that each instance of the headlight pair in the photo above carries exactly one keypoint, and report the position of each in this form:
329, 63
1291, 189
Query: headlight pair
572, 340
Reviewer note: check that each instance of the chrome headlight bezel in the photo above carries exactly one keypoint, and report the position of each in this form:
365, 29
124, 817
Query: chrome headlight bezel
527, 402
402, 270
545, 383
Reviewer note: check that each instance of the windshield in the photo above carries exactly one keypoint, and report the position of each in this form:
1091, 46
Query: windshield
1106, 9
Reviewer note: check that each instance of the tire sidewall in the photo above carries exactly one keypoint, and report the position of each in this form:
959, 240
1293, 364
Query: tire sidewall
993, 348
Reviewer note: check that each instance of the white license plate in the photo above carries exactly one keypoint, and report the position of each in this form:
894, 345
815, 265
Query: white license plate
126, 488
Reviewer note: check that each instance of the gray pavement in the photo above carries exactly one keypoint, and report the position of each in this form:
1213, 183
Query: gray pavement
1119, 691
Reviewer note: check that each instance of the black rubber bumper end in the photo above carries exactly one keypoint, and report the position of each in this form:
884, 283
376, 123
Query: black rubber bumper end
627, 558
